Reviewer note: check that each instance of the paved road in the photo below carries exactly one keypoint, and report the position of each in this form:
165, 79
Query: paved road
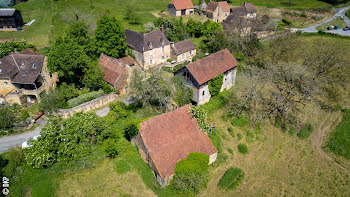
338, 13
8, 142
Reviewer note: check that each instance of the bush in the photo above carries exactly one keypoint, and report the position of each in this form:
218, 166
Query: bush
230, 151
191, 175
286, 21
231, 179
230, 131
119, 109
216, 84
348, 13
249, 136
167, 69
306, 131
85, 98
291, 132
239, 136
110, 148
131, 130
242, 148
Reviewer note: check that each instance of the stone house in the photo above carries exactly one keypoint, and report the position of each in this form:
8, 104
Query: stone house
10, 19
169, 138
149, 49
217, 11
183, 51
181, 7
117, 72
247, 11
197, 74
23, 76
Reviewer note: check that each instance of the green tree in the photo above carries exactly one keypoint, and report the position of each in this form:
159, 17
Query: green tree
8, 118
191, 175
209, 27
93, 78
131, 130
68, 59
182, 94
52, 101
131, 14
119, 109
110, 37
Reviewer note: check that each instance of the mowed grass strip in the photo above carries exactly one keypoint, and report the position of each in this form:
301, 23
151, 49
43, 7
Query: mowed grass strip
231, 179
339, 141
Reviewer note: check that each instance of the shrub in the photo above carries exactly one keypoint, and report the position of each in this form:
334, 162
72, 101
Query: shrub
278, 122
167, 69
249, 136
85, 98
286, 21
231, 179
239, 136
201, 116
306, 131
291, 131
348, 13
230, 151
230, 131
241, 121
242, 148
110, 147
215, 85
191, 175
119, 109
131, 130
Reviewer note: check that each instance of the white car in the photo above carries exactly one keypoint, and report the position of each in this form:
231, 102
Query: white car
26, 144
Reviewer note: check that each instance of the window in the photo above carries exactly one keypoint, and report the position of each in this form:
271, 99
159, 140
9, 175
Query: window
151, 52
6, 84
203, 93
150, 62
183, 57
34, 65
22, 64
25, 74
163, 49
190, 52
0, 70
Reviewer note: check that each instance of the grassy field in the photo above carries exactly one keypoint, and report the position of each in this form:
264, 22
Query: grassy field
301, 4
338, 21
339, 141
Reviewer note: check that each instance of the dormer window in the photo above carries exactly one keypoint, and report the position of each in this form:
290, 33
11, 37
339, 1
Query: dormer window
25, 73
34, 65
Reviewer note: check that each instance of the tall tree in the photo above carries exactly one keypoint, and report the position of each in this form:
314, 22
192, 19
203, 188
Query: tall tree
110, 37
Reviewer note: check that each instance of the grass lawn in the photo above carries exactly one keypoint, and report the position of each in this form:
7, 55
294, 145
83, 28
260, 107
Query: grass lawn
338, 21
339, 141
294, 4
52, 16
348, 13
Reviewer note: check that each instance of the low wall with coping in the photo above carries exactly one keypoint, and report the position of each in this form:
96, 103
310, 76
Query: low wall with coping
88, 106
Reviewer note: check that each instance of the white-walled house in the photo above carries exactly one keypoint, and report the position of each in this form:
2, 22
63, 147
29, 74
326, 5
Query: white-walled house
198, 74
183, 51
181, 7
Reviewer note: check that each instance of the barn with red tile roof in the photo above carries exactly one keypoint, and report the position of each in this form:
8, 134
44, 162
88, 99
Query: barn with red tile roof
169, 138
181, 7
217, 11
197, 74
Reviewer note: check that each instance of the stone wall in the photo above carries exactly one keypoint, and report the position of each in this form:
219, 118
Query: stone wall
88, 106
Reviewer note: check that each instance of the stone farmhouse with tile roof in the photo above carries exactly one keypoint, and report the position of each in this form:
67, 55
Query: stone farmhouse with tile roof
149, 49
248, 10
183, 51
117, 72
217, 11
169, 138
197, 74
23, 76
181, 7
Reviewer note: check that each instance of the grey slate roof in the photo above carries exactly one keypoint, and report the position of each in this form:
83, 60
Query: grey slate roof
19, 67
183, 47
7, 12
145, 42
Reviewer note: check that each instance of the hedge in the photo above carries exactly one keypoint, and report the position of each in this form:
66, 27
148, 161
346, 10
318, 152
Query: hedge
231, 179
85, 98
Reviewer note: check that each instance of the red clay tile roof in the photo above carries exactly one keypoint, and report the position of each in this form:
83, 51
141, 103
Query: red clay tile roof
182, 4
128, 60
171, 137
114, 71
209, 67
213, 5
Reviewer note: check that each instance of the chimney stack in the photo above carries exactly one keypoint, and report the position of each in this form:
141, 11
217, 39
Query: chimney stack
162, 30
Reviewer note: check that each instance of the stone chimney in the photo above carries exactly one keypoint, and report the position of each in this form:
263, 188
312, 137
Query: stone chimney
162, 30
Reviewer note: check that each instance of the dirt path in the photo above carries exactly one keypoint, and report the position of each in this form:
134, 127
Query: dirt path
319, 136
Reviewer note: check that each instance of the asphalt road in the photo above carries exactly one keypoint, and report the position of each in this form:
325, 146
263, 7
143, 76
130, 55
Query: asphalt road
338, 13
9, 142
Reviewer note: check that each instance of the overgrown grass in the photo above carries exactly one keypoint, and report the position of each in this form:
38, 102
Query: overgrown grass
122, 166
306, 131
295, 4
232, 178
217, 102
339, 141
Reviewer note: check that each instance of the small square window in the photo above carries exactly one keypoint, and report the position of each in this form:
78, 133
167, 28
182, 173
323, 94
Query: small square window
150, 62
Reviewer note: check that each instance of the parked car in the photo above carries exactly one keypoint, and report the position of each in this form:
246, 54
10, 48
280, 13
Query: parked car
336, 27
329, 28
346, 29
27, 144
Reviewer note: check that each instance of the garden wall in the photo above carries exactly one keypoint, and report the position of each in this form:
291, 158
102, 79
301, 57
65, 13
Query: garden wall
88, 106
